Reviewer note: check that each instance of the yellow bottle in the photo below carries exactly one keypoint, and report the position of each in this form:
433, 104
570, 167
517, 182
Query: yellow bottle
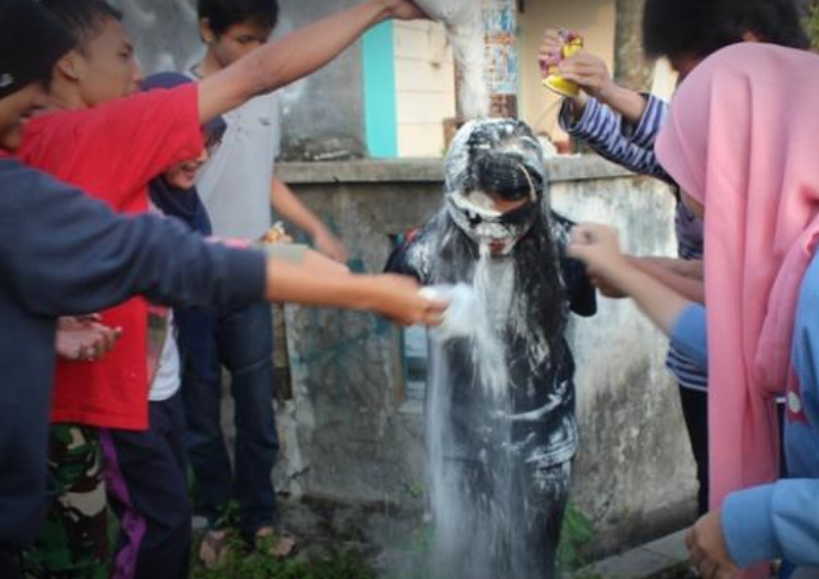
573, 43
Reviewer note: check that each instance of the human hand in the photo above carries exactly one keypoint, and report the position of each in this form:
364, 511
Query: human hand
707, 548
330, 245
551, 47
607, 289
598, 247
84, 338
590, 73
398, 298
404, 10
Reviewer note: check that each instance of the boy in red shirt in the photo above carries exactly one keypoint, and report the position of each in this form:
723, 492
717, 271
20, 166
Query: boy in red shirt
111, 147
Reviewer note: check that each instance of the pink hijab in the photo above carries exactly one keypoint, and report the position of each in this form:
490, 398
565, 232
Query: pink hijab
742, 140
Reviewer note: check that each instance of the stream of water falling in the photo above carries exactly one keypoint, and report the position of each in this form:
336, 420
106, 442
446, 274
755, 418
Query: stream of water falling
470, 487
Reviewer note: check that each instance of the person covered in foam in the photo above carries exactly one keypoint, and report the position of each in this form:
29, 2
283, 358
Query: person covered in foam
501, 428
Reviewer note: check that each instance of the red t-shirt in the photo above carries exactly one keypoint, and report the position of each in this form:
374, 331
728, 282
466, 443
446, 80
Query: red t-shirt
112, 151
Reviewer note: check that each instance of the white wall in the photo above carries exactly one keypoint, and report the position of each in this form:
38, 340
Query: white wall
425, 84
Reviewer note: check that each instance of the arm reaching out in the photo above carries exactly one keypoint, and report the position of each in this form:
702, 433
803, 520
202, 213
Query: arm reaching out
396, 297
598, 247
673, 274
278, 63
90, 259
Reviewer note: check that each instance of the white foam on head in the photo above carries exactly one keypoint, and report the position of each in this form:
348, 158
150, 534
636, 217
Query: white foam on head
476, 202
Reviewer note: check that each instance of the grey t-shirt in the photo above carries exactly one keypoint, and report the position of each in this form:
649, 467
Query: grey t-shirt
235, 183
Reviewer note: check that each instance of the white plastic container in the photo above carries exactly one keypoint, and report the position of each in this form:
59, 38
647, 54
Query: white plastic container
464, 24
450, 12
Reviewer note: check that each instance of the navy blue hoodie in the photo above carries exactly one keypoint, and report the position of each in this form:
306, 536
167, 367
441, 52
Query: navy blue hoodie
63, 253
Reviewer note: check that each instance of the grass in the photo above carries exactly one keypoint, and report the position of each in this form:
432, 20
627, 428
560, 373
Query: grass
254, 562
257, 564
246, 561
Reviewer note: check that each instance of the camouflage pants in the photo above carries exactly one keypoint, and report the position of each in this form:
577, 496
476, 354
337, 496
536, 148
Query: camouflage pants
74, 540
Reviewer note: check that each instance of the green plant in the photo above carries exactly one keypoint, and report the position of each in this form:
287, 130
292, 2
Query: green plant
811, 22
245, 561
258, 564
577, 533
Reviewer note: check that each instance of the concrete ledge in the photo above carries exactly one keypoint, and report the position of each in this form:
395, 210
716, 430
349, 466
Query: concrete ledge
574, 168
665, 557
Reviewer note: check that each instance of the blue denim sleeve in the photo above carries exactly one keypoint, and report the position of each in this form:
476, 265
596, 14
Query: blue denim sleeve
610, 137
782, 520
689, 335
773, 521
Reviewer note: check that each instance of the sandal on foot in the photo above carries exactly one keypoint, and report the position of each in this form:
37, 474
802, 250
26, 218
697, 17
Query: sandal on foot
213, 549
279, 544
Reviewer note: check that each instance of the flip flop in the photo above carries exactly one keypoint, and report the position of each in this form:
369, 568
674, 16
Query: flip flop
214, 549
284, 547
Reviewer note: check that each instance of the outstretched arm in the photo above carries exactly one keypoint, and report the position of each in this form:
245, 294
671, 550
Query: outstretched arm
298, 54
394, 296
65, 253
597, 246
671, 275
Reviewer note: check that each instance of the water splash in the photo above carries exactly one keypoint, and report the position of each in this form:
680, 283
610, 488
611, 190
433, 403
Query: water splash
474, 315
471, 494
465, 30
468, 47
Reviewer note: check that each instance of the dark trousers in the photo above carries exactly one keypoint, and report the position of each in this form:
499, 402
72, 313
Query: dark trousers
695, 411
499, 518
8, 565
243, 339
146, 477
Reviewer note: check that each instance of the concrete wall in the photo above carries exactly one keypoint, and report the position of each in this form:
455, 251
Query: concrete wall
350, 436
326, 104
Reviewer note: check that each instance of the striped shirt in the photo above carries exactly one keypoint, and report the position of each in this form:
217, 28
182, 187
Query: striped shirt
632, 147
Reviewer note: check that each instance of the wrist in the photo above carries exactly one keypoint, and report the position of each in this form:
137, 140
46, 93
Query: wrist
577, 105
618, 271
607, 94
385, 9
356, 292
317, 230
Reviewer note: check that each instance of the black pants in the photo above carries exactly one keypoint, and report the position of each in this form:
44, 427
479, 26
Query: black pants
695, 411
8, 565
498, 519
147, 481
